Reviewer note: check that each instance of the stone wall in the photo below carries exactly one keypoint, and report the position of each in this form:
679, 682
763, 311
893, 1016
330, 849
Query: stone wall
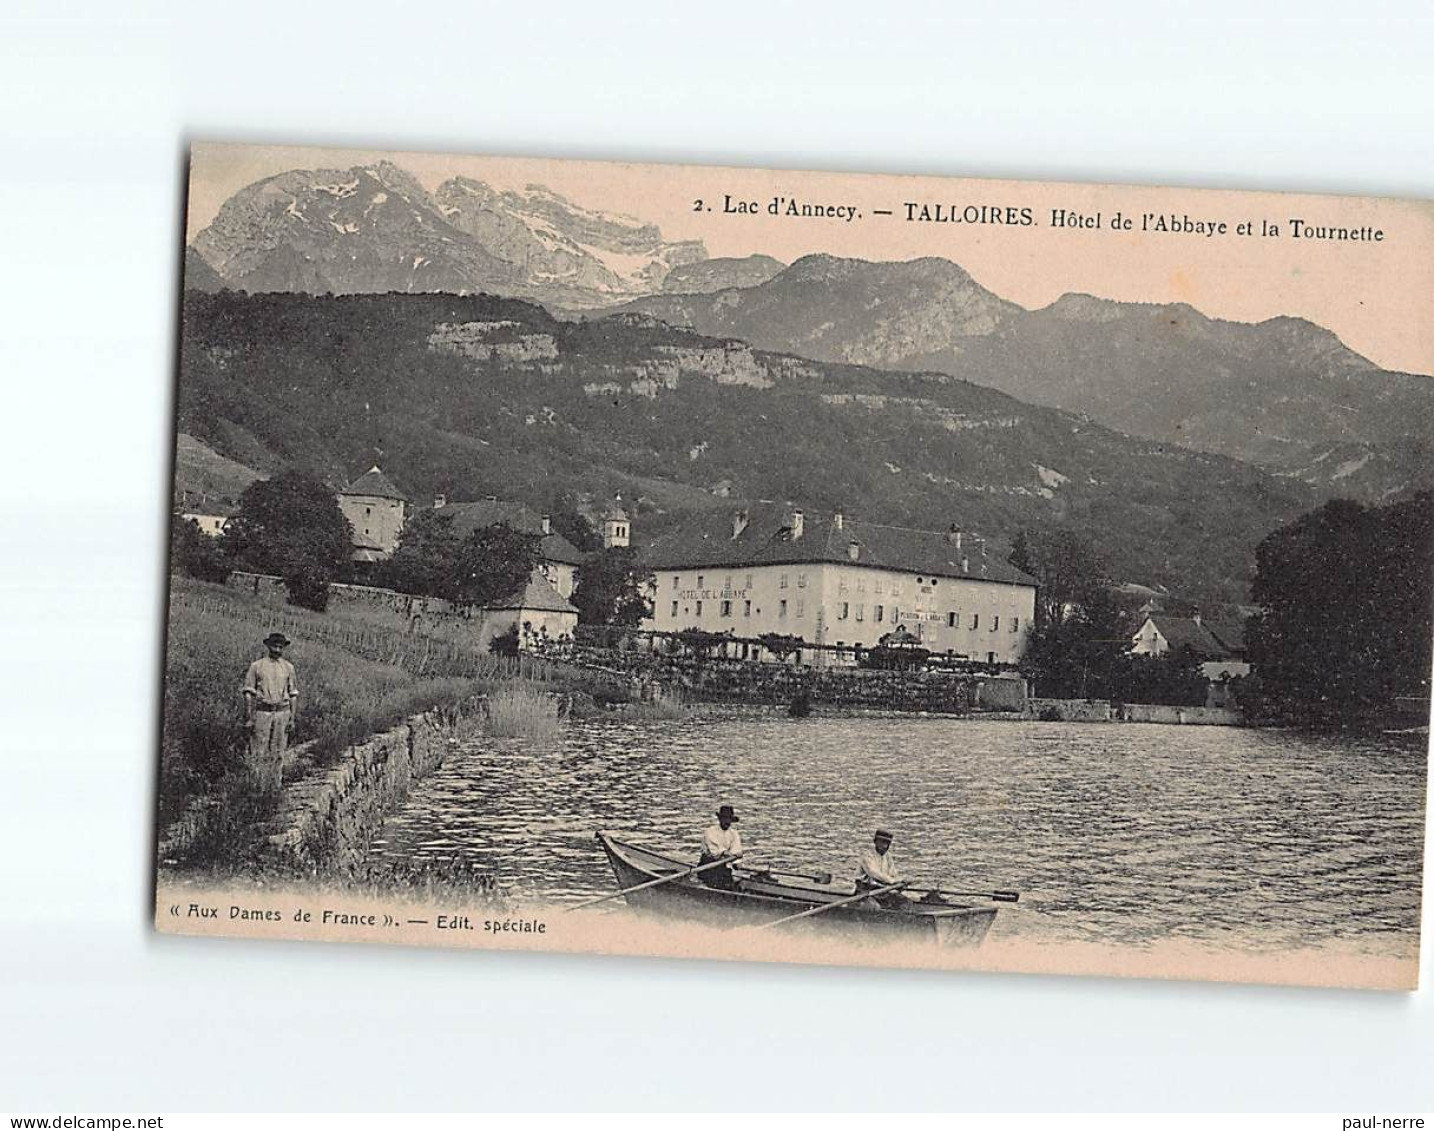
1001, 694
778, 684
1069, 710
1190, 716
327, 820
1102, 711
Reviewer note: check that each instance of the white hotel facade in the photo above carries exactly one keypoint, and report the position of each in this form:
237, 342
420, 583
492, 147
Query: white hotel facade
835, 581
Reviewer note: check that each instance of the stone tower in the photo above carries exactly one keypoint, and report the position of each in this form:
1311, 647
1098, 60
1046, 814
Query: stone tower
376, 510
616, 526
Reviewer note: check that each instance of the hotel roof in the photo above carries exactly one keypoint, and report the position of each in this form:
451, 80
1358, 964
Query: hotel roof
769, 539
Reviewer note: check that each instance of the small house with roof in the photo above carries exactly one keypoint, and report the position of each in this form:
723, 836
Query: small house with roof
839, 582
1219, 646
540, 613
376, 510
211, 513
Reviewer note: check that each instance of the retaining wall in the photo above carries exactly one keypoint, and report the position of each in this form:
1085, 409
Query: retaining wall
328, 820
1189, 716
1070, 710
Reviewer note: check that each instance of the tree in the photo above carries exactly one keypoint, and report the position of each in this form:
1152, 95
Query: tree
1078, 643
432, 560
291, 525
1174, 679
612, 588
195, 554
492, 564
425, 562
573, 525
1067, 569
505, 643
1347, 622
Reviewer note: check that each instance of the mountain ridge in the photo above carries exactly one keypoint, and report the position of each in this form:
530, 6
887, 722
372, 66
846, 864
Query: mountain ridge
1278, 393
499, 396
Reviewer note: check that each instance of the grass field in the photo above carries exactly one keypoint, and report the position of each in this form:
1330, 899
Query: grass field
356, 677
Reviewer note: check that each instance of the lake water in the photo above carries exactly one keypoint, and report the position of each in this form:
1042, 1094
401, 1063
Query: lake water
1115, 834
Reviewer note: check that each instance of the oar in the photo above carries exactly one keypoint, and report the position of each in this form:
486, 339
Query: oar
694, 870
829, 906
997, 896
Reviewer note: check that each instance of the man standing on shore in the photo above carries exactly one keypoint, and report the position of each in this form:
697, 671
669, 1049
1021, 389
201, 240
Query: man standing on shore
271, 704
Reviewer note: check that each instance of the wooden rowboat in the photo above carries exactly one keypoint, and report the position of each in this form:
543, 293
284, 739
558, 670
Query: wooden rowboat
762, 899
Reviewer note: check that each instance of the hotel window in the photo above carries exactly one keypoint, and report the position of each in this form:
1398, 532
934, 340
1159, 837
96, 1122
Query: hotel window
801, 607
876, 613
746, 608
995, 624
845, 611
895, 614
951, 618
1015, 623
860, 612
728, 583
726, 608
674, 608
782, 581
801, 581
876, 586
676, 581
975, 620
699, 608
699, 581
749, 581
896, 589
781, 608
841, 583
861, 583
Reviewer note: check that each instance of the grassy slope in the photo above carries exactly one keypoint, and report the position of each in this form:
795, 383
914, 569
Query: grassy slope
357, 675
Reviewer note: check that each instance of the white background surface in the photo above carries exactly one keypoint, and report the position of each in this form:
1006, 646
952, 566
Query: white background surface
97, 102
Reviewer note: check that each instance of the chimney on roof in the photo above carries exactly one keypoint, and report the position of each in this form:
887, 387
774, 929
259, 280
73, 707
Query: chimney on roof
439, 502
739, 523
547, 524
838, 520
797, 522
954, 536
965, 565
853, 550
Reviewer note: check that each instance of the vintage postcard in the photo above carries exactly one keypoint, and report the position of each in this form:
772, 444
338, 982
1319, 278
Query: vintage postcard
799, 566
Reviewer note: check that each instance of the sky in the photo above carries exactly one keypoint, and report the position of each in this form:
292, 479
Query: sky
1373, 294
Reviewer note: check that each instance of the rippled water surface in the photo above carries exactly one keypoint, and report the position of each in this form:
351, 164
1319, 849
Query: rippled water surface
1123, 834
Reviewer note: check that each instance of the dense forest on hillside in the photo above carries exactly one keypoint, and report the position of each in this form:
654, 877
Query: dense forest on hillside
479, 395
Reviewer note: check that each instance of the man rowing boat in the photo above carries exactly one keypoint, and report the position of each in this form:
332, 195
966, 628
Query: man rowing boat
878, 869
721, 842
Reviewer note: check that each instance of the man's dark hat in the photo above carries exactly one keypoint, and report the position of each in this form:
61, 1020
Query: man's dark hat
882, 834
277, 638
726, 811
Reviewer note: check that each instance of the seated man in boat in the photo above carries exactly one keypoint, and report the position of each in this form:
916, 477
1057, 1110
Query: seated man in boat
878, 869
721, 842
